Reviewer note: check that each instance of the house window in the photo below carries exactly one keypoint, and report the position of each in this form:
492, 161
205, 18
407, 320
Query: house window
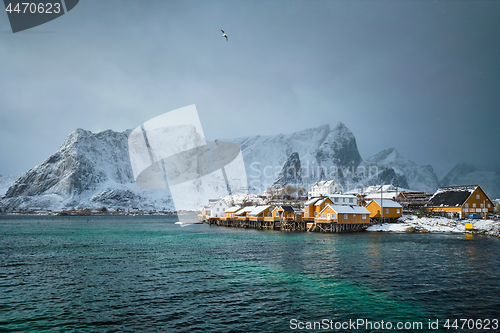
353, 215
217, 209
336, 199
474, 205
364, 216
315, 213
223, 209
397, 210
345, 216
489, 206
466, 205
350, 200
477, 196
387, 210
220, 204
482, 206
343, 199
270, 214
324, 215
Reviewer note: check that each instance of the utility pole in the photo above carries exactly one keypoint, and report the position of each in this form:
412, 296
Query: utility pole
485, 211
381, 205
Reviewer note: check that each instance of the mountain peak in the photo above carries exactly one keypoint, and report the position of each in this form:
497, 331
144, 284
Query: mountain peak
340, 125
465, 167
386, 155
339, 148
459, 171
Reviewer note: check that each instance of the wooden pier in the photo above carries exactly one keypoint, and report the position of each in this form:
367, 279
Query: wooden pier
283, 224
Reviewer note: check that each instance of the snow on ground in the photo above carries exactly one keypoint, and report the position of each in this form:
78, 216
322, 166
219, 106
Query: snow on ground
239, 199
412, 223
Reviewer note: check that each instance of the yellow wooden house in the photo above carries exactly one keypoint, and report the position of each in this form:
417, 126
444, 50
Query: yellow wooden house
242, 214
284, 212
321, 204
392, 209
460, 201
343, 214
229, 213
259, 212
309, 209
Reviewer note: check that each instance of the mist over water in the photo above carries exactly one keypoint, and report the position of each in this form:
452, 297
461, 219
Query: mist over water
145, 273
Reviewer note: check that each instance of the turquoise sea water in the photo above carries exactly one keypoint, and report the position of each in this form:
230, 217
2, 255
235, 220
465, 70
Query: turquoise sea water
145, 273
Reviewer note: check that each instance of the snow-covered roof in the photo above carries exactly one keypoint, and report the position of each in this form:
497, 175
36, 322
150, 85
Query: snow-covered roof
213, 202
246, 209
387, 203
257, 210
233, 209
350, 196
298, 211
376, 188
311, 201
345, 209
285, 208
385, 195
463, 188
319, 202
451, 196
325, 183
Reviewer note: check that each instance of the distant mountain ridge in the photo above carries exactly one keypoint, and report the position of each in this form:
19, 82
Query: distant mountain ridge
92, 170
405, 173
88, 171
468, 174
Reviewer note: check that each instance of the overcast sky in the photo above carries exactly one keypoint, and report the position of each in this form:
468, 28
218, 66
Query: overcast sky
420, 76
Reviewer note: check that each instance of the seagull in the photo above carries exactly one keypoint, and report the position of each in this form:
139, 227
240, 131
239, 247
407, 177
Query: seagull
223, 34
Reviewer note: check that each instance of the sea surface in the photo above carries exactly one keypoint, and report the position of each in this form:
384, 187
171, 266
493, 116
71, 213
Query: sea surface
147, 274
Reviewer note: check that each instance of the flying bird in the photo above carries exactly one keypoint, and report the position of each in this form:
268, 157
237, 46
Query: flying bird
224, 34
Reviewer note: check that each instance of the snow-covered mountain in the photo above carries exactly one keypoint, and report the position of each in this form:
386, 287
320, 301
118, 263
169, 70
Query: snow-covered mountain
321, 153
6, 182
88, 171
468, 174
264, 156
392, 168
93, 170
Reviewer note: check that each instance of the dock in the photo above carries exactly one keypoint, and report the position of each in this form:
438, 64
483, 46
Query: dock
285, 224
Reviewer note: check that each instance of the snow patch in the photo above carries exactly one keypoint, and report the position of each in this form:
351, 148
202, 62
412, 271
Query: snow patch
412, 223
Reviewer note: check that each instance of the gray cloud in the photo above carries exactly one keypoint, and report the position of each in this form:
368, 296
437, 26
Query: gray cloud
419, 76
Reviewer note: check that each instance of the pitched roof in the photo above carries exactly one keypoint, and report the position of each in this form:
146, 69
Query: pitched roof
451, 196
322, 199
385, 195
246, 209
311, 201
233, 209
213, 202
387, 203
325, 183
376, 188
285, 208
259, 209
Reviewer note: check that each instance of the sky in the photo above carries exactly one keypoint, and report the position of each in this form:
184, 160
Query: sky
420, 76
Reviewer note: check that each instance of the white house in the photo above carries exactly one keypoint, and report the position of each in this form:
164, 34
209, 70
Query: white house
344, 199
324, 187
218, 208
